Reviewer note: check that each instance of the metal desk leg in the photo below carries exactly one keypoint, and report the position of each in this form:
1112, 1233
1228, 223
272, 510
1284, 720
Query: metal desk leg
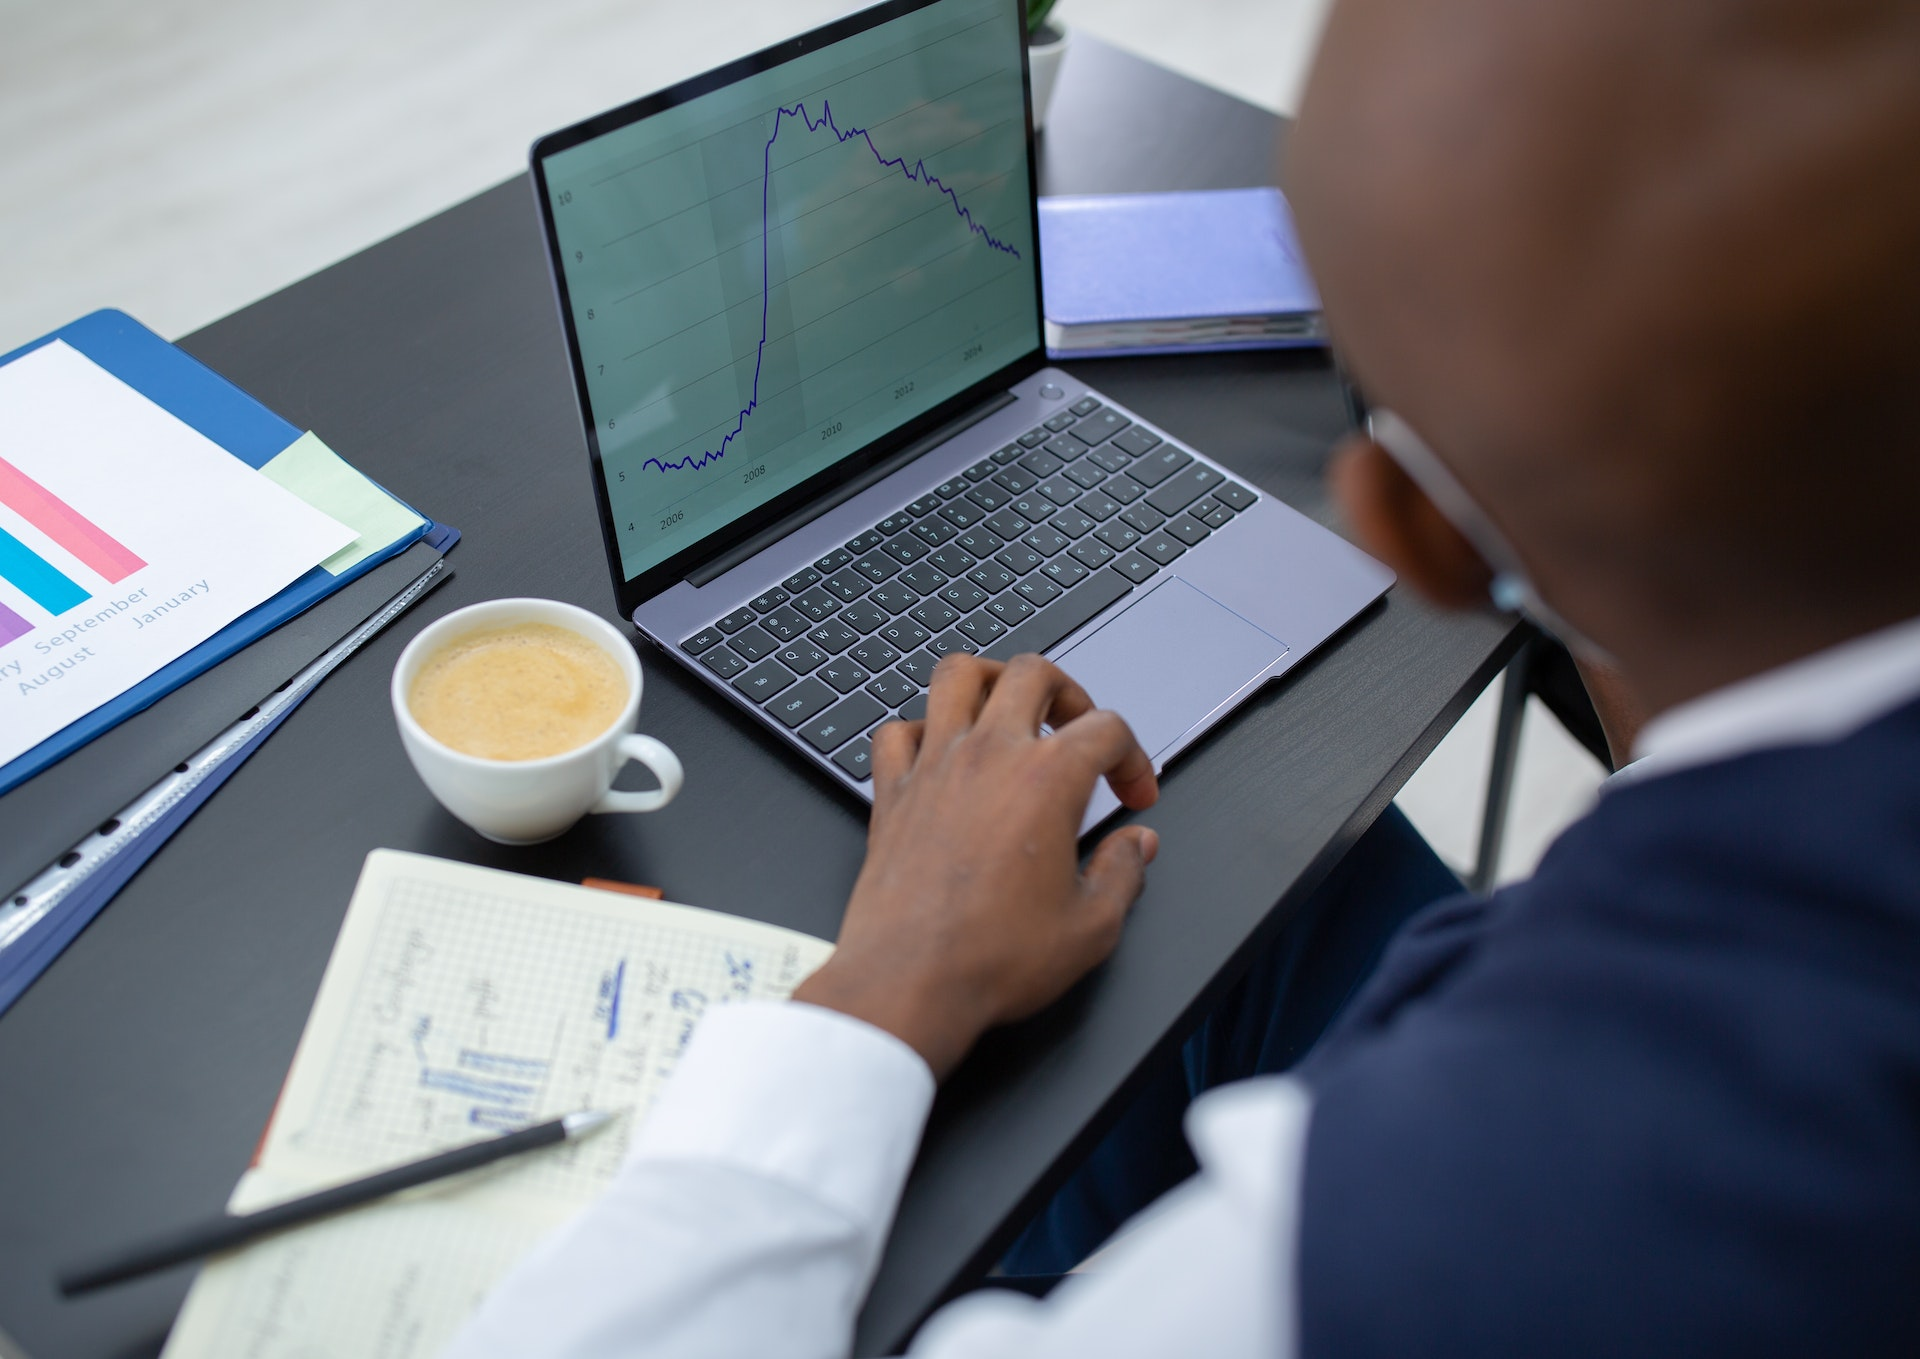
1514, 689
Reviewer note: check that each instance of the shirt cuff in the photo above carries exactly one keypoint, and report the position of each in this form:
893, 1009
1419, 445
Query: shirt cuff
796, 1093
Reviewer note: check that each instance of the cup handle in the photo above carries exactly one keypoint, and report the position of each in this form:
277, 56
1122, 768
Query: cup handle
665, 766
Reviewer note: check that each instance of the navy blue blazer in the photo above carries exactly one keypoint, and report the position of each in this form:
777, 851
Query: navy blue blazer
1661, 1099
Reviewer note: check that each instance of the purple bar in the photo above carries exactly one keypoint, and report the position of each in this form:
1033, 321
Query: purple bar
12, 626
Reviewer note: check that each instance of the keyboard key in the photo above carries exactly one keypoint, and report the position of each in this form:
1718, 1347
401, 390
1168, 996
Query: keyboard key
962, 514
1142, 518
1064, 572
803, 579
734, 621
842, 722
1104, 425
1109, 459
988, 497
1038, 591
770, 601
833, 637
893, 598
1135, 567
1032, 507
864, 543
892, 688
764, 680
904, 634
1065, 447
701, 640
1123, 489
906, 549
723, 662
785, 624
1061, 421
1042, 464
897, 522
963, 595
1017, 558
875, 654
1097, 506
1178, 492
1157, 466
947, 643
848, 585
1072, 523
924, 506
843, 675
833, 561
1086, 405
1134, 441
1008, 454
1008, 524
1211, 513
980, 471
1033, 438
863, 617
802, 702
1117, 535
923, 578
857, 760
914, 709
991, 577
1060, 491
1010, 609
1234, 496
1071, 611
1084, 475
948, 490
934, 531
1016, 481
1047, 541
753, 643
1162, 547
980, 542
800, 657
953, 561
875, 566
1091, 553
934, 615
818, 604
1187, 529
919, 668
983, 629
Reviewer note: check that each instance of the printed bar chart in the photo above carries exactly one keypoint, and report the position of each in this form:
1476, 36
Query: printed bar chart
36, 577
91, 545
12, 626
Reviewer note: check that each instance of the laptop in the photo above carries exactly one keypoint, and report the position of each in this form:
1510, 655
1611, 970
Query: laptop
801, 298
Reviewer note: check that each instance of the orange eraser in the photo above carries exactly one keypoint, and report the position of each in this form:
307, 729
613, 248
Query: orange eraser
632, 889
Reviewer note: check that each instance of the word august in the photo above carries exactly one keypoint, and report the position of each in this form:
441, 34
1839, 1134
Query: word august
61, 646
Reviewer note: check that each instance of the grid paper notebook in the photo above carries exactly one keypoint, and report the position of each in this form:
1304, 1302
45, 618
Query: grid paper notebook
461, 1001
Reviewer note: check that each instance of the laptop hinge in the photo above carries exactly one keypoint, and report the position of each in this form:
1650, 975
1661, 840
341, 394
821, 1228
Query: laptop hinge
715, 567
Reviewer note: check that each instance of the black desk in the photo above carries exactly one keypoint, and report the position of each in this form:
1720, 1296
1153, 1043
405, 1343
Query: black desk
136, 1076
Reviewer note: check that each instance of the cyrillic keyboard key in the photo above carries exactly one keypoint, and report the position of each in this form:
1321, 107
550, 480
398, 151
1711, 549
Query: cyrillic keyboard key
857, 760
1047, 541
1038, 591
818, 604
894, 598
803, 701
963, 596
981, 541
802, 657
1157, 466
983, 629
923, 578
723, 662
864, 617
1016, 481
1042, 463
934, 531
1097, 506
903, 634
1017, 558
844, 675
892, 688
918, 667
991, 577
1059, 490
764, 680
833, 637
1072, 523
1178, 492
753, 643
906, 549
1111, 459
1124, 489
1091, 553
989, 497
1063, 616
701, 640
1118, 535
962, 514
1064, 572
874, 654
934, 615
1010, 608
1008, 524
1066, 447
1142, 518
1134, 441
947, 643
953, 561
1084, 475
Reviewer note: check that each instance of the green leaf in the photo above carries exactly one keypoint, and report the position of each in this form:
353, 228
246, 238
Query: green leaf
1037, 11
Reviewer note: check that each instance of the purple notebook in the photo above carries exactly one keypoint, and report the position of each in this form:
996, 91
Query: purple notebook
1161, 273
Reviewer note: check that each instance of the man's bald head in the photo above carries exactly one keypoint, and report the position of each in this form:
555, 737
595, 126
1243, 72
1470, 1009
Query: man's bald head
1646, 273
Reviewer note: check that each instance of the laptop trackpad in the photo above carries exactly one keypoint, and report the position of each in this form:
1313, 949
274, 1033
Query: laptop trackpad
1169, 661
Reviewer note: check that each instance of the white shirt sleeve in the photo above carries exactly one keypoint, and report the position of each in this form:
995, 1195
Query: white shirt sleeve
755, 1199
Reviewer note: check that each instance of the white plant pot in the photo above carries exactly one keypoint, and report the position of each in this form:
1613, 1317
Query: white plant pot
1045, 51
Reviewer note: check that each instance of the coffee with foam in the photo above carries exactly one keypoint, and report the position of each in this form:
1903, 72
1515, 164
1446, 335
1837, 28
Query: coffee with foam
520, 692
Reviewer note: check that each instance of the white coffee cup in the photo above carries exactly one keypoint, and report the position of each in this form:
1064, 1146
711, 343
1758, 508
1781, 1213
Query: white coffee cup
522, 802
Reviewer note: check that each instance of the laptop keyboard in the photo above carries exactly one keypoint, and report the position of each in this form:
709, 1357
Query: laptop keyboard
1015, 554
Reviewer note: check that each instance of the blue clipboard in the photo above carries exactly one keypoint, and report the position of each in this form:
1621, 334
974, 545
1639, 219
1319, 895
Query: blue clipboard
181, 384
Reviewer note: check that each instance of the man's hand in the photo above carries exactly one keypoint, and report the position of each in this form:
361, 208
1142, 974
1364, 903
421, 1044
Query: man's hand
972, 909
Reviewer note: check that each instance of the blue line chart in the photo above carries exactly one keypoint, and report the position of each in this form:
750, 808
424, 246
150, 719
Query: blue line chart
917, 173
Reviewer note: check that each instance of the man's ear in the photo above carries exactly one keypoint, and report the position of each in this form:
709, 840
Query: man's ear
1394, 520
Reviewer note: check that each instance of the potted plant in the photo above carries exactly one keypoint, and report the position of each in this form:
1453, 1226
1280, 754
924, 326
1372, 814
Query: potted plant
1046, 45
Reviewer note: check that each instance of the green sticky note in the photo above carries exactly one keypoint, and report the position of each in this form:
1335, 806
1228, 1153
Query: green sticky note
325, 481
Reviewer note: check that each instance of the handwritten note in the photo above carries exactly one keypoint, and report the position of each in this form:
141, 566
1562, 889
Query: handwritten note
462, 1001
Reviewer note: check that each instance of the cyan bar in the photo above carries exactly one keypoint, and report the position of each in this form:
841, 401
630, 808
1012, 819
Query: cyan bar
36, 577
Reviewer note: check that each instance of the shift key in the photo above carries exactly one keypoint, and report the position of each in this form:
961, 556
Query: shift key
842, 722
1176, 493
1062, 616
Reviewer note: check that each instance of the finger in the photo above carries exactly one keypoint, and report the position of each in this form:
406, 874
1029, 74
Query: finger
895, 747
959, 686
1034, 690
1111, 883
1108, 747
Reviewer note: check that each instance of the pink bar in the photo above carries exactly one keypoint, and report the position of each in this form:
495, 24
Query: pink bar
12, 626
93, 545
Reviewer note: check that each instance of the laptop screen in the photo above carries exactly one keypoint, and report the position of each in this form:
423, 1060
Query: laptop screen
769, 276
